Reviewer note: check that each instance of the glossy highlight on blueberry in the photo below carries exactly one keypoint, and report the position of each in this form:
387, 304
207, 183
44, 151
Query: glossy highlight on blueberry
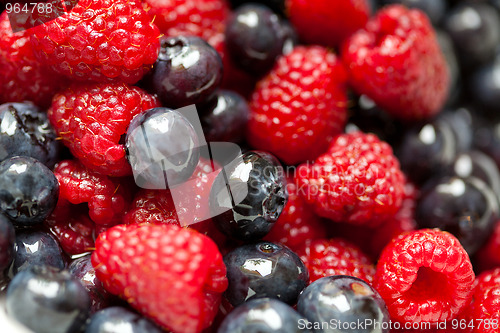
117, 319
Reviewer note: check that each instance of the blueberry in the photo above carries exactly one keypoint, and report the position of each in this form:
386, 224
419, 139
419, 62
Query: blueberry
28, 190
467, 208
263, 315
262, 270
188, 71
450, 55
26, 131
117, 320
434, 9
343, 301
7, 242
47, 300
248, 195
485, 86
162, 148
225, 120
475, 31
37, 248
256, 36
83, 270
278, 6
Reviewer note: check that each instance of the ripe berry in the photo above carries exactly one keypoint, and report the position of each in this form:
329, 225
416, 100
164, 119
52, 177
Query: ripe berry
162, 148
248, 196
435, 9
424, 276
487, 256
47, 300
357, 181
118, 319
28, 191
26, 131
256, 37
188, 71
397, 62
99, 40
263, 315
264, 269
300, 105
346, 301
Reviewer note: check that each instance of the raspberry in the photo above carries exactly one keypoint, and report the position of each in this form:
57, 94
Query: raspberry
333, 20
300, 105
99, 40
424, 276
324, 257
91, 120
484, 309
23, 77
297, 223
357, 181
488, 257
173, 275
397, 62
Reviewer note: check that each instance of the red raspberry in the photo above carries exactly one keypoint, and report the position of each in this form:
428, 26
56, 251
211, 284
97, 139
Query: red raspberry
91, 120
424, 276
357, 181
396, 61
324, 257
300, 105
99, 40
23, 77
488, 257
482, 315
327, 22
297, 222
173, 275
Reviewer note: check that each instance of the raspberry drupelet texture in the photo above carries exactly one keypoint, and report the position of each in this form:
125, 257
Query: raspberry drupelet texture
484, 309
324, 257
99, 40
333, 20
488, 256
358, 180
397, 62
91, 120
23, 76
174, 276
424, 276
300, 105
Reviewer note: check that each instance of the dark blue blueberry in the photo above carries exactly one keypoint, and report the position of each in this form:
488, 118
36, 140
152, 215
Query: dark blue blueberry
467, 208
37, 248
26, 131
450, 55
342, 303
28, 191
47, 300
263, 315
485, 87
162, 148
83, 270
120, 320
225, 119
188, 71
278, 6
461, 122
7, 241
262, 270
475, 30
434, 9
256, 37
248, 196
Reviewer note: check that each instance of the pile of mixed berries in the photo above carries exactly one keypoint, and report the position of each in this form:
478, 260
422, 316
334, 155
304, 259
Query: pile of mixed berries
339, 173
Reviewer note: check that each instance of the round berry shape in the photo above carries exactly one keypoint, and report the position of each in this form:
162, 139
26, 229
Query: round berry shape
162, 148
263, 315
7, 241
188, 71
484, 86
117, 319
256, 37
225, 120
264, 269
248, 196
47, 300
346, 300
467, 208
28, 190
26, 131
83, 270
37, 248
